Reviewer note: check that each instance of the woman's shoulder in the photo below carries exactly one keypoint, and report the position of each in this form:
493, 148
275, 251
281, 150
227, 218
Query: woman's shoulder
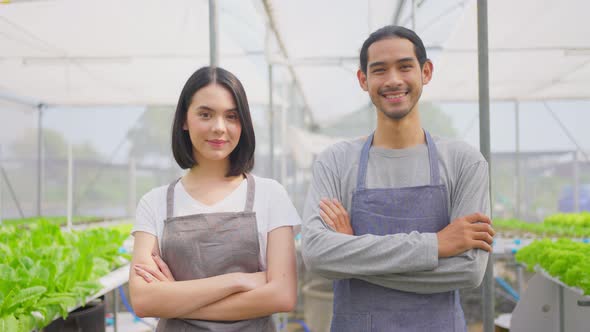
155, 195
267, 184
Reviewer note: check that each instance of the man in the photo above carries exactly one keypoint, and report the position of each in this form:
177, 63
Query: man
418, 229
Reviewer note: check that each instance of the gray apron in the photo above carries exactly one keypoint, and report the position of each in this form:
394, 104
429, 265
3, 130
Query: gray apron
210, 244
361, 306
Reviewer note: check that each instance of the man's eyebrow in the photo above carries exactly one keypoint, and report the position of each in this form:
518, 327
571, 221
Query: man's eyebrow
375, 64
383, 63
405, 60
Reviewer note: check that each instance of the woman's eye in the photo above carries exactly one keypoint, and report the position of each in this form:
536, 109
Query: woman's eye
232, 116
204, 115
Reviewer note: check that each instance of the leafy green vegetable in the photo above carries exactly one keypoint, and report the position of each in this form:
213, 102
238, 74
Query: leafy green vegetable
567, 260
44, 271
557, 225
60, 221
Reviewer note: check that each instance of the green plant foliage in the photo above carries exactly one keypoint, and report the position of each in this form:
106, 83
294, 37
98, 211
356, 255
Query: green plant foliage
581, 219
567, 260
557, 225
44, 272
53, 220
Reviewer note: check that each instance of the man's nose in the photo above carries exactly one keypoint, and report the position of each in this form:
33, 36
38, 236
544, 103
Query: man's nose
393, 78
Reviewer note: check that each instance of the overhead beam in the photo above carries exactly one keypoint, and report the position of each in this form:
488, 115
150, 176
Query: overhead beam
274, 29
398, 12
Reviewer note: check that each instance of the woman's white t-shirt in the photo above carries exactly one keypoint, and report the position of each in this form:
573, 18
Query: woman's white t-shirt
271, 203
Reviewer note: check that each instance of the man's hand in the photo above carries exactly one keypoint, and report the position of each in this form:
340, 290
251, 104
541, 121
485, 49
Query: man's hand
335, 215
464, 233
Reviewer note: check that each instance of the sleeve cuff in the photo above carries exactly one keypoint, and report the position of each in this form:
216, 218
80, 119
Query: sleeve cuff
431, 250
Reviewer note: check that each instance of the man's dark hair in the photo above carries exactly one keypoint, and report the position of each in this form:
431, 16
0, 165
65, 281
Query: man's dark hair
393, 31
242, 157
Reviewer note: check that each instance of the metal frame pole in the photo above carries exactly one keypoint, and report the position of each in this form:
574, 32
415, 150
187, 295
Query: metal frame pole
1, 188
132, 190
414, 9
517, 189
484, 145
116, 309
70, 186
576, 184
39, 159
271, 143
213, 28
561, 309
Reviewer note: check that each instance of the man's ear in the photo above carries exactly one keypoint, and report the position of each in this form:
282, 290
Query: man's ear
362, 77
427, 71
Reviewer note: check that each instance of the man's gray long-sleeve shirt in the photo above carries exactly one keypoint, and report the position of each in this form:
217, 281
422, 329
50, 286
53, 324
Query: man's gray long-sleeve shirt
406, 262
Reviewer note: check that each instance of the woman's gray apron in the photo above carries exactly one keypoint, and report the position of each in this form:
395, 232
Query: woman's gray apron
210, 244
361, 306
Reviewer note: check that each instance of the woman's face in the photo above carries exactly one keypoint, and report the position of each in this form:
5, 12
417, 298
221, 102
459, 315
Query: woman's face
213, 123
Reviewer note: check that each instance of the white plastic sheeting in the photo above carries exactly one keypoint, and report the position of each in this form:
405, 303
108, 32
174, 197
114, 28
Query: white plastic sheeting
140, 52
134, 52
538, 50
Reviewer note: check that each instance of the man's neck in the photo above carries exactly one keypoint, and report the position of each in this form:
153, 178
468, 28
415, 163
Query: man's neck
398, 134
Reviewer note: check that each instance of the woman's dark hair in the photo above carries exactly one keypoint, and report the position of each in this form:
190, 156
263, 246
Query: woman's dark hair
393, 31
242, 157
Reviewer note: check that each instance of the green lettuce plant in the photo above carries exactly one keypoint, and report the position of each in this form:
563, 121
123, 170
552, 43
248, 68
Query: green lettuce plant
558, 225
567, 260
44, 271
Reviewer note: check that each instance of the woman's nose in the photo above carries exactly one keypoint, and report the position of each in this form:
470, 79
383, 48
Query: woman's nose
218, 124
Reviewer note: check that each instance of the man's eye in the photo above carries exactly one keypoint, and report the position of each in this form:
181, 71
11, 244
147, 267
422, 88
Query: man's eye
378, 70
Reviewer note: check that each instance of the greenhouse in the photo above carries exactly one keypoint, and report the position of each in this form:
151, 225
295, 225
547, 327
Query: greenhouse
295, 166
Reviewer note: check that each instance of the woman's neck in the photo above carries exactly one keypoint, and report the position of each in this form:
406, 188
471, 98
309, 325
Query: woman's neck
207, 183
209, 171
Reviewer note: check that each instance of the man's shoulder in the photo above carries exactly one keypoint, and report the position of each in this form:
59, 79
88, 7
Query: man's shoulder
341, 151
458, 150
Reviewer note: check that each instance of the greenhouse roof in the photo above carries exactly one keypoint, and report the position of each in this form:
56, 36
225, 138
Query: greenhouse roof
87, 53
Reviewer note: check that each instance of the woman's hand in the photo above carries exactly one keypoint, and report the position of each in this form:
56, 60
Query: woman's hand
335, 215
246, 281
150, 274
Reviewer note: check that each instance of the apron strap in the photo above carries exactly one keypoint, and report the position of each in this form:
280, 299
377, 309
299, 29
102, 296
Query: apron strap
170, 199
362, 172
250, 194
364, 162
433, 158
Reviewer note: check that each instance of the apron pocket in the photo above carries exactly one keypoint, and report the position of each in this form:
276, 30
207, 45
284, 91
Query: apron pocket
351, 322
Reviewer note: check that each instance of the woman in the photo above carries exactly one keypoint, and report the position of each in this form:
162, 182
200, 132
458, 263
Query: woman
214, 250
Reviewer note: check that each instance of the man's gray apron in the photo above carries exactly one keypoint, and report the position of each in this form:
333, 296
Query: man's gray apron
210, 244
361, 306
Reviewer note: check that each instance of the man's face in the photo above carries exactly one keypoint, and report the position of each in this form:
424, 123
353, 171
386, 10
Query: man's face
394, 78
